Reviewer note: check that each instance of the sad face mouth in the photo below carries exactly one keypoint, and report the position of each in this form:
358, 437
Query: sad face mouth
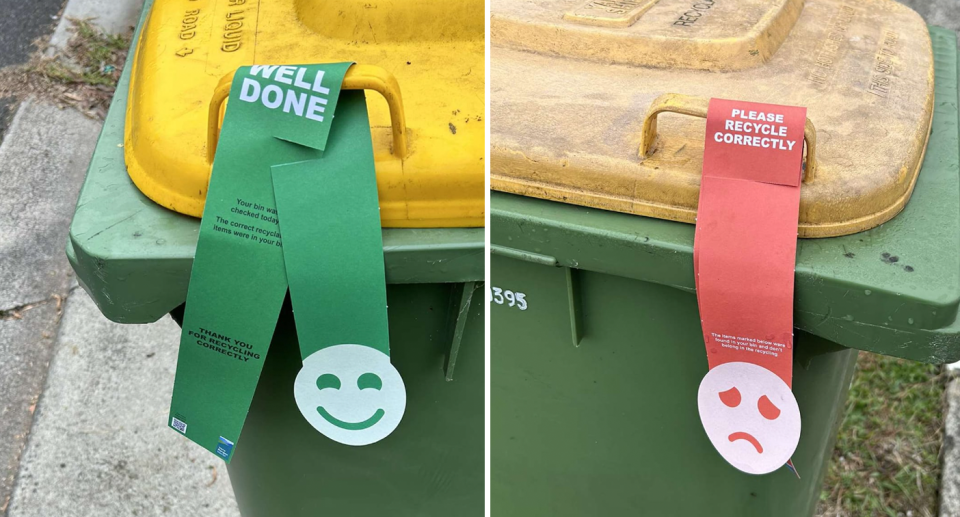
748, 437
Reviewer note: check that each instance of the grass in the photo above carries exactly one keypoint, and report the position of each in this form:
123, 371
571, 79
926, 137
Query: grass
887, 457
84, 75
94, 58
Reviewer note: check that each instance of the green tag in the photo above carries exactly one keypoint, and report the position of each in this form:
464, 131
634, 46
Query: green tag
333, 251
238, 281
295, 103
330, 218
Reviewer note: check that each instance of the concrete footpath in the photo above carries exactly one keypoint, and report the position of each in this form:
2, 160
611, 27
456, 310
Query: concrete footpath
83, 401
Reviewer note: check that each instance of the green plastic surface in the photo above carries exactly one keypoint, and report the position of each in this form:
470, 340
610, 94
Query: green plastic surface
611, 427
594, 384
134, 257
893, 290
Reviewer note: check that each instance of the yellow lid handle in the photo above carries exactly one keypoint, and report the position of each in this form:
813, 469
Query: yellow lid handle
697, 107
358, 77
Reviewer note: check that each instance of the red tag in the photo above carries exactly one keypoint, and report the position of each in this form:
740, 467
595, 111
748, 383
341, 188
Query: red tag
744, 256
746, 236
752, 141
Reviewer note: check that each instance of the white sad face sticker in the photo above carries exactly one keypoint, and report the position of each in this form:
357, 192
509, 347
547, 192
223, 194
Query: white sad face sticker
350, 393
750, 416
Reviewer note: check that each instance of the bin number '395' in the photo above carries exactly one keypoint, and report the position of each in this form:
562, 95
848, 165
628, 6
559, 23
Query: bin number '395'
505, 296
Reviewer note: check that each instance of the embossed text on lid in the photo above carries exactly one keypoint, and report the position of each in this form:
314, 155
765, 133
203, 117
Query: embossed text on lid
609, 13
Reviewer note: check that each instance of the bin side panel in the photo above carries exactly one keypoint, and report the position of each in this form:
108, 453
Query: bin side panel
610, 427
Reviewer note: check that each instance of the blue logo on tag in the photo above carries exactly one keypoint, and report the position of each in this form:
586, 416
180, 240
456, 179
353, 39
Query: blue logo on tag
224, 448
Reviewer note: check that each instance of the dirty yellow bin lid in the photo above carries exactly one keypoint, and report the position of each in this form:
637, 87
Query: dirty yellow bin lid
599, 102
421, 62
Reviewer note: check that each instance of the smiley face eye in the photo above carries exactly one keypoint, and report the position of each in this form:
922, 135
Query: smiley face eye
369, 380
731, 397
767, 409
328, 380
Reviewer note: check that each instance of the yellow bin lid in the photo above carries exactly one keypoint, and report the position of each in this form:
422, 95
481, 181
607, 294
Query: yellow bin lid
421, 62
599, 102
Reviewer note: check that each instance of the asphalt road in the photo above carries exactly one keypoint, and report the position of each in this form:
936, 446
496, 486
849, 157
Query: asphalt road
21, 23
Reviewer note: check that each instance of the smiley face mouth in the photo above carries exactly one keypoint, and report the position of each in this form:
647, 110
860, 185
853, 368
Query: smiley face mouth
748, 437
351, 426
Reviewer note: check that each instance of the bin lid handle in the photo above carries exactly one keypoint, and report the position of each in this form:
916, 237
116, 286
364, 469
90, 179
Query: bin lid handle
697, 107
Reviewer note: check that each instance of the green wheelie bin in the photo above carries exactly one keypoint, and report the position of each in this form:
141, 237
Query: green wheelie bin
596, 345
134, 257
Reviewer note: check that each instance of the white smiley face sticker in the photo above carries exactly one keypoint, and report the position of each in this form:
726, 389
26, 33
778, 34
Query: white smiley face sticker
351, 394
750, 416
